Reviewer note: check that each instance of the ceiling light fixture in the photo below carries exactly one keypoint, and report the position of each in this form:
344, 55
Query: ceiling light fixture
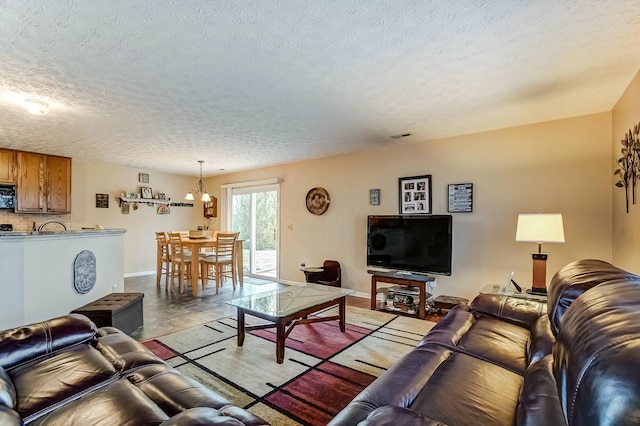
199, 188
37, 107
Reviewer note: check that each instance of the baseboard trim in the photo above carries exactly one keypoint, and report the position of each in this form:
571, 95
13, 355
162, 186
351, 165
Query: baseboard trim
139, 274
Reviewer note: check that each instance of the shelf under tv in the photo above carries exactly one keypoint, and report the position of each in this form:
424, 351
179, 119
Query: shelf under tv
419, 281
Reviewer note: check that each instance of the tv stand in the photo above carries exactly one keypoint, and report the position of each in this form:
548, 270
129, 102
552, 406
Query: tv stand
411, 280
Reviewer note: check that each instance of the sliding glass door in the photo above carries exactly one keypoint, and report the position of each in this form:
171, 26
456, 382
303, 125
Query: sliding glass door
254, 213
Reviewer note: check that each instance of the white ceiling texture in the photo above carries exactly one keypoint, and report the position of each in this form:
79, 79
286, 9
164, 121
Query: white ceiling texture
160, 84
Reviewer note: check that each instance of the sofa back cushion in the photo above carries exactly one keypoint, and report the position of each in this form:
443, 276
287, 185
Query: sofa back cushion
26, 343
596, 362
573, 280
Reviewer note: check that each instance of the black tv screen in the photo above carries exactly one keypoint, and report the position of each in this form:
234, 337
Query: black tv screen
410, 243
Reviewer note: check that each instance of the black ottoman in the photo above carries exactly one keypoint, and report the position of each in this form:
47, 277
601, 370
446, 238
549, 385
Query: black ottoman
120, 310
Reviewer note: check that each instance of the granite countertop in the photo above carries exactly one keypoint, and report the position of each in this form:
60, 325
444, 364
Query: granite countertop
73, 232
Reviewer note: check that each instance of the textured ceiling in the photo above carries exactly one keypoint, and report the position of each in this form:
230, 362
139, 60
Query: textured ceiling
160, 84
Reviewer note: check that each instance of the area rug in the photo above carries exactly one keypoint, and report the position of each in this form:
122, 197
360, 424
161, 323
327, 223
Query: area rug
323, 370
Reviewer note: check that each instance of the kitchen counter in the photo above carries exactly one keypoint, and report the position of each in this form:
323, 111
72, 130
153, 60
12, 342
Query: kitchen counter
60, 233
39, 278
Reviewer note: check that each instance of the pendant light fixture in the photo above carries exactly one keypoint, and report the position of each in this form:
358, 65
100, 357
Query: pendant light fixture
199, 188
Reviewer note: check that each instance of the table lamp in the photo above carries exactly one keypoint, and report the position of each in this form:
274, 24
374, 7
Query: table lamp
540, 228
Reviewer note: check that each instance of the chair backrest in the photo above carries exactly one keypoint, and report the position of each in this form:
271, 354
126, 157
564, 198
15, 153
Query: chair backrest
163, 243
331, 270
175, 241
225, 244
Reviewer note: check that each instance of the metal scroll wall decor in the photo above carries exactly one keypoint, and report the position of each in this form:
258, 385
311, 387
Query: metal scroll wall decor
628, 170
84, 272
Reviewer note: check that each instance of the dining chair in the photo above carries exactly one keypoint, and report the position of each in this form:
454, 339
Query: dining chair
220, 261
163, 259
180, 261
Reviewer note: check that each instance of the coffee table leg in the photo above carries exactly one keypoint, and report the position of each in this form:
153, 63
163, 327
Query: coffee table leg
342, 312
240, 326
280, 330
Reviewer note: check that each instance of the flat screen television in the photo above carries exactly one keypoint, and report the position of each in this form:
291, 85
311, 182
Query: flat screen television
412, 243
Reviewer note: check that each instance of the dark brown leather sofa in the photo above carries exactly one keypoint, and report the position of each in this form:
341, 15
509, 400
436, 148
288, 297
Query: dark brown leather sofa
505, 361
66, 372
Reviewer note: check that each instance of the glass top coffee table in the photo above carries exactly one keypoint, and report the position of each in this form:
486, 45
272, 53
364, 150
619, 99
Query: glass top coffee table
287, 307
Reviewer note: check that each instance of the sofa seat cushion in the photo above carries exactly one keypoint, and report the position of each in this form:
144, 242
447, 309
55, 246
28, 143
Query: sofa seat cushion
44, 383
487, 338
460, 389
120, 403
393, 416
122, 351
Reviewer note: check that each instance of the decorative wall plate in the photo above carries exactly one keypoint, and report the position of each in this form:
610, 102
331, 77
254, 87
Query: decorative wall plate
84, 272
318, 201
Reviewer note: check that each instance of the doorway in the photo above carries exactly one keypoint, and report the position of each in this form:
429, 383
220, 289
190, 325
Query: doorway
254, 214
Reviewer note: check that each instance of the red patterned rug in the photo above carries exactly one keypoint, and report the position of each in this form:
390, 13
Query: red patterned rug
324, 369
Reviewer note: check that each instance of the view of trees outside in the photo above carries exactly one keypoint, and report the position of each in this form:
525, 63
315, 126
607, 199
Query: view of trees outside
266, 226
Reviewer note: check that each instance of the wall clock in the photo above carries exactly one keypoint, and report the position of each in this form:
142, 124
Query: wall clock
317, 201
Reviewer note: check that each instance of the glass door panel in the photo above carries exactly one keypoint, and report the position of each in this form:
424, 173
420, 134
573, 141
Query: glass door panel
254, 213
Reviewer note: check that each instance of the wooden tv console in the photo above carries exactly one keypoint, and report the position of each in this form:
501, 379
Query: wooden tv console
419, 281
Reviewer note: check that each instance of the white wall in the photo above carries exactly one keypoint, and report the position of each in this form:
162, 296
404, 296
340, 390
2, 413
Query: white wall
560, 166
139, 246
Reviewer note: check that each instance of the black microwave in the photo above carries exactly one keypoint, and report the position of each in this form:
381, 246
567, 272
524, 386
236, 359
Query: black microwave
7, 196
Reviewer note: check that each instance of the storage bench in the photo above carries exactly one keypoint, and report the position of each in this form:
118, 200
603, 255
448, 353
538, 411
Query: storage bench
120, 310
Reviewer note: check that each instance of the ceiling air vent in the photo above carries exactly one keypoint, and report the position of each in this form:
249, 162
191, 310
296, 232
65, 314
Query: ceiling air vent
403, 135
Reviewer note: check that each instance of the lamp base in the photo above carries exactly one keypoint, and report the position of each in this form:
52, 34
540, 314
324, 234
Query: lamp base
538, 285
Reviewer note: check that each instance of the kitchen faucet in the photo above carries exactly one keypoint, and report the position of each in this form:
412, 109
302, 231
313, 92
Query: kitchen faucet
43, 224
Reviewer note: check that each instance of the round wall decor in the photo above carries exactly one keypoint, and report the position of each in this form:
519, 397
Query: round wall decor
318, 201
84, 272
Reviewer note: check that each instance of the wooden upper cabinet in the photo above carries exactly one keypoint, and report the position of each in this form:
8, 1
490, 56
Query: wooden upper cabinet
7, 166
30, 183
58, 184
43, 183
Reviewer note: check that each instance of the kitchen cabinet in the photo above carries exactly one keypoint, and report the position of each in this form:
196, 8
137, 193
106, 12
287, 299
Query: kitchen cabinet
58, 184
7, 166
43, 184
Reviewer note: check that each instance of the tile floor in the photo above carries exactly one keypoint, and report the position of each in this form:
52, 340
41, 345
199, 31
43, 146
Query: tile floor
169, 311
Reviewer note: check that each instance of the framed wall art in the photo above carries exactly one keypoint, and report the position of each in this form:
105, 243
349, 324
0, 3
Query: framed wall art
102, 201
374, 197
460, 198
415, 194
146, 192
143, 177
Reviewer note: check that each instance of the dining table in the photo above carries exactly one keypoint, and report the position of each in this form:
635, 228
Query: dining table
194, 244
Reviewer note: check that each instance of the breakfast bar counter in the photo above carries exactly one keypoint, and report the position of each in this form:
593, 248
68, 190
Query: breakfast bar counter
47, 274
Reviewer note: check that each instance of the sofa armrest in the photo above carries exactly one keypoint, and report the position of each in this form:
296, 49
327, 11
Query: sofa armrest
521, 312
391, 416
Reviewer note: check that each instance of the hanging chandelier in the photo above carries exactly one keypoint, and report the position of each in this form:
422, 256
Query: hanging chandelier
199, 188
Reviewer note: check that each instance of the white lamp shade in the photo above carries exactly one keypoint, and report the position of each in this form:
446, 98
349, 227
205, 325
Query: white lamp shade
206, 197
540, 228
189, 196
